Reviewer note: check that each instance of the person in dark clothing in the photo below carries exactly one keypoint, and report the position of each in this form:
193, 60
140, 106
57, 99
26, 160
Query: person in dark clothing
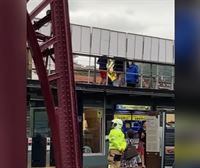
119, 69
133, 161
119, 65
102, 61
142, 136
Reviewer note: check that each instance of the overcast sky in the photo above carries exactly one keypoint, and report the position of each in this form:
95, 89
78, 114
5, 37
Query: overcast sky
147, 17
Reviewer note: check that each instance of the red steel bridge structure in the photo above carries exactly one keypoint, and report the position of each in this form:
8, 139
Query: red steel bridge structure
62, 113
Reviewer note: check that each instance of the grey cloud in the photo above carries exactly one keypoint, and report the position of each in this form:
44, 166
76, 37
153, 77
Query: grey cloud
149, 17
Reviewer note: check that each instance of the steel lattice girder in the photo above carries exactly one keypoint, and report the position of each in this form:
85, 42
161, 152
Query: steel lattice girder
63, 119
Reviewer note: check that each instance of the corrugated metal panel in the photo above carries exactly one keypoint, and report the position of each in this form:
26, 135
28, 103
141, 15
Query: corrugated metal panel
162, 50
139, 48
169, 52
85, 40
121, 45
96, 41
76, 38
130, 46
113, 43
147, 49
154, 49
104, 42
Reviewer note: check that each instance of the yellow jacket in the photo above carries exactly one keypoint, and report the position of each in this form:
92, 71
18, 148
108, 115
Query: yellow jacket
117, 140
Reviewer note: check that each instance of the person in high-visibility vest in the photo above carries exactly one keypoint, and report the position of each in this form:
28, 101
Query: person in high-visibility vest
117, 144
111, 73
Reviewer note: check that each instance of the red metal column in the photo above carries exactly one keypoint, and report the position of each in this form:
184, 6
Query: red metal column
13, 84
68, 118
41, 71
63, 120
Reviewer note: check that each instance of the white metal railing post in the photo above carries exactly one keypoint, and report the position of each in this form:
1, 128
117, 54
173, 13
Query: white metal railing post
157, 76
141, 77
163, 140
173, 79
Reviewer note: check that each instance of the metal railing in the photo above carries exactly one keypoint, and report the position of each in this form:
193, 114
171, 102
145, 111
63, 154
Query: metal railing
93, 75
86, 71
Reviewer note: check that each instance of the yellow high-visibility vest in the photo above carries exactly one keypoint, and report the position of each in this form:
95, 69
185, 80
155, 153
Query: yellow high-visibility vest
111, 73
117, 140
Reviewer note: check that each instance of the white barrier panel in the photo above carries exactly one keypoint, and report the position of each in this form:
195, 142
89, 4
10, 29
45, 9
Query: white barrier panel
147, 48
104, 42
96, 41
121, 48
113, 43
169, 52
85, 39
130, 46
76, 38
139, 47
162, 50
154, 49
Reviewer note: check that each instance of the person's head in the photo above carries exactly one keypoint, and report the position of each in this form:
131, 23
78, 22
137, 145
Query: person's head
131, 134
132, 62
117, 123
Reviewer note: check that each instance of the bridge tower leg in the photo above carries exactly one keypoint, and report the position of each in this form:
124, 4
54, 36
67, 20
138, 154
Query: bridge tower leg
63, 118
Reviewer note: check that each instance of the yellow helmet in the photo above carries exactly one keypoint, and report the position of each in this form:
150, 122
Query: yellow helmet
117, 123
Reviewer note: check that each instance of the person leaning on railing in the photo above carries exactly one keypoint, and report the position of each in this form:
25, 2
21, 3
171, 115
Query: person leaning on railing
102, 61
119, 69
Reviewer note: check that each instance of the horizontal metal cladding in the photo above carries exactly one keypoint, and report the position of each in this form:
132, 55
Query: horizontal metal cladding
98, 41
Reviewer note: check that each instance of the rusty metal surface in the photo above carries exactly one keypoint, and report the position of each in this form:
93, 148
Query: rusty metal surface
63, 119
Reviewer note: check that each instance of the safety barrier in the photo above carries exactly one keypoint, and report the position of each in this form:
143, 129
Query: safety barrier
40, 152
150, 75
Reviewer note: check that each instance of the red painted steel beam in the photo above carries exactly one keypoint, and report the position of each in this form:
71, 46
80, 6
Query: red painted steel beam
53, 77
67, 105
64, 120
13, 142
48, 43
41, 71
42, 36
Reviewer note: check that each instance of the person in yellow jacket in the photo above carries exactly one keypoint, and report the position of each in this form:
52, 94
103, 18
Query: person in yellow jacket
117, 144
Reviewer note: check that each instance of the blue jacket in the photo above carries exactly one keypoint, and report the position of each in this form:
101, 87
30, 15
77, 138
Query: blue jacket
132, 74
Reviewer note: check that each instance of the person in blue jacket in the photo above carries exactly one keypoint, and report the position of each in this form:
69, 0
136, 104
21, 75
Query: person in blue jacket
132, 75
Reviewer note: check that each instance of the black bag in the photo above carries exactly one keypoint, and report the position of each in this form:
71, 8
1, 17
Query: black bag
117, 157
130, 152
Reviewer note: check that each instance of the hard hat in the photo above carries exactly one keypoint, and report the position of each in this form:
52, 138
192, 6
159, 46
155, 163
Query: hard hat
117, 123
